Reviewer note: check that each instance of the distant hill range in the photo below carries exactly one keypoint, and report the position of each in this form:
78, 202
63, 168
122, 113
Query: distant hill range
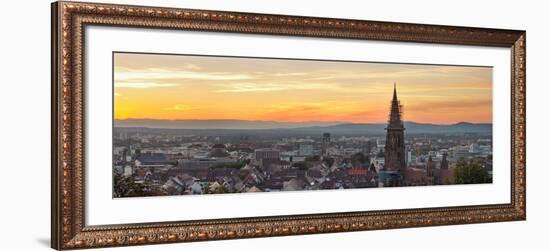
218, 124
225, 127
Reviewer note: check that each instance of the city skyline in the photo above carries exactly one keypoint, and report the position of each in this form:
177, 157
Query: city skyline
173, 87
149, 162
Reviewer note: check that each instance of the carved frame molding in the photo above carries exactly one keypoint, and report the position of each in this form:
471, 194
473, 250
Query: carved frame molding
68, 226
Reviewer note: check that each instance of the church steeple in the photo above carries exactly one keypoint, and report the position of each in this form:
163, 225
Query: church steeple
395, 111
395, 136
394, 91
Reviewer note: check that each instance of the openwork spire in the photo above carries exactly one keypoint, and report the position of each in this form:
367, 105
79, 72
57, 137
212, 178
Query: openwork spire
394, 92
395, 111
394, 159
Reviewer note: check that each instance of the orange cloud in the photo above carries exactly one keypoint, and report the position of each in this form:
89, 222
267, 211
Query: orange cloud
195, 87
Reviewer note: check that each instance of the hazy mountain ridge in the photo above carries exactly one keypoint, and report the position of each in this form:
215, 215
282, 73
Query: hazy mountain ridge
218, 124
226, 127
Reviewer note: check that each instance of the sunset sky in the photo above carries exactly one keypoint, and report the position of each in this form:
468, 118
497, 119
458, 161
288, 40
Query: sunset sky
196, 87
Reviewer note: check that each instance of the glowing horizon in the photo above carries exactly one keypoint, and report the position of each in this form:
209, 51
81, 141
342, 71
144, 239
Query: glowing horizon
174, 87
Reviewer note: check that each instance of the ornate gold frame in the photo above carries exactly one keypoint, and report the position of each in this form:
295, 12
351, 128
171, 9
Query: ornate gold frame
68, 22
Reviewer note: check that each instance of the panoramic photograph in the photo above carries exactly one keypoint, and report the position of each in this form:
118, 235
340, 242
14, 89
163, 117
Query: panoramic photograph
196, 125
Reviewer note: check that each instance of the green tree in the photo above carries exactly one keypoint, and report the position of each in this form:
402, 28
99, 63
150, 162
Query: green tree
300, 165
360, 160
121, 187
219, 190
313, 158
471, 173
328, 161
360, 157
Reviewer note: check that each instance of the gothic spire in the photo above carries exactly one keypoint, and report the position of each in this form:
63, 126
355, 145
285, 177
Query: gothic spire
395, 111
394, 92
394, 158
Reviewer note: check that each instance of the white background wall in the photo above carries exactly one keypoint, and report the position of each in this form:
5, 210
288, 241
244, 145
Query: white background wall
25, 131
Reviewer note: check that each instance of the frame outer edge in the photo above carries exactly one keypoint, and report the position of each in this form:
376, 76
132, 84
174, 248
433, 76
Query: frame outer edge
523, 83
518, 106
56, 207
68, 230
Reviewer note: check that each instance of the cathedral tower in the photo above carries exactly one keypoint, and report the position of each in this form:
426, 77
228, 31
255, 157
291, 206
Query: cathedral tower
395, 137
